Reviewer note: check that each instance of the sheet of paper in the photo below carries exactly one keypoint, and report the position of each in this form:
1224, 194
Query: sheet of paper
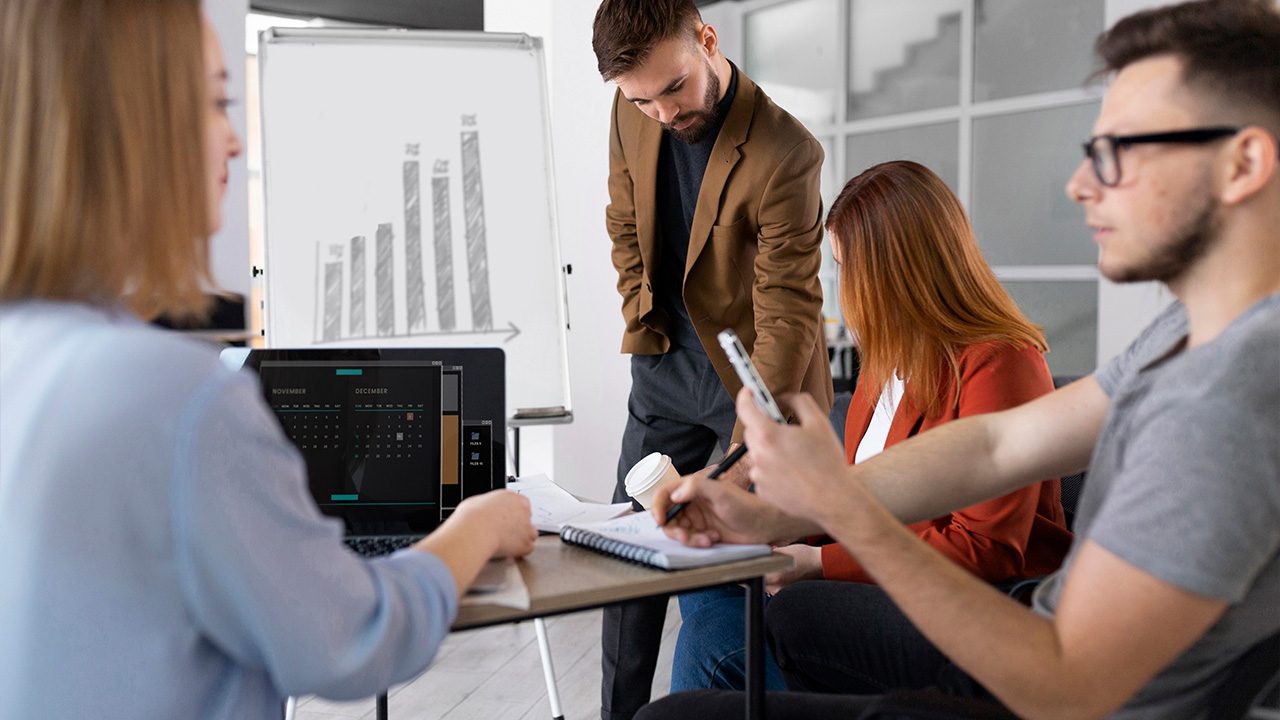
511, 592
554, 507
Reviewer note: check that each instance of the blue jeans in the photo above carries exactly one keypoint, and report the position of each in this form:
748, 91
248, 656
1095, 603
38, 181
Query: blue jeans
711, 649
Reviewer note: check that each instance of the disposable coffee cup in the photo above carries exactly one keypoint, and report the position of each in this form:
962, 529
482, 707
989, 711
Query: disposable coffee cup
652, 472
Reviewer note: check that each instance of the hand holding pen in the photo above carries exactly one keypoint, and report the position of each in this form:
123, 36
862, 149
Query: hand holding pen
717, 512
727, 462
750, 377
720, 469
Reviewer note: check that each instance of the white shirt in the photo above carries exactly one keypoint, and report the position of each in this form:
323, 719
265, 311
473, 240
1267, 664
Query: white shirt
886, 407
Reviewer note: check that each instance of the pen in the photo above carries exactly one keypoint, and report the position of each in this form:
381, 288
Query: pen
720, 468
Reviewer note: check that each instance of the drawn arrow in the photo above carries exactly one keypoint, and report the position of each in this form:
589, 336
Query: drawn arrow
511, 327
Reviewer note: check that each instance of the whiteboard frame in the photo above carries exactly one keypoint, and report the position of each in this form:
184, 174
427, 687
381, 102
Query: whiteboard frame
507, 41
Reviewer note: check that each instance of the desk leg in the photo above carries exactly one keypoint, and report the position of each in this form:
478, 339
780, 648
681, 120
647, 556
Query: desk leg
548, 669
382, 706
755, 649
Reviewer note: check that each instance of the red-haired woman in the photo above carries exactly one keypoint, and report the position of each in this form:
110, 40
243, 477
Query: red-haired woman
939, 339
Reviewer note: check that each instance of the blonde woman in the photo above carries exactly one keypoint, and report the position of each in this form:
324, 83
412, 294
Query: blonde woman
160, 554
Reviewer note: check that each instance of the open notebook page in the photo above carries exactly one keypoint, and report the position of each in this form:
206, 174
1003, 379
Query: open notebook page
641, 530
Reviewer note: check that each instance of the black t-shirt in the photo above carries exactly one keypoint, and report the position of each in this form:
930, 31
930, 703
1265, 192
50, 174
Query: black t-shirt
681, 166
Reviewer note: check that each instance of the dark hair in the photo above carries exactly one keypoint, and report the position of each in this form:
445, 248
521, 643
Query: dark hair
1230, 49
625, 31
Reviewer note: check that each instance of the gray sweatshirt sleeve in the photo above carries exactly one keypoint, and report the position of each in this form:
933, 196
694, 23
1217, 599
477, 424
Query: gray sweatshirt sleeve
266, 576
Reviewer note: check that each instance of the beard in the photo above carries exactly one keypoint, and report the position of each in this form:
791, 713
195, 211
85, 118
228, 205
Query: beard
703, 118
1192, 238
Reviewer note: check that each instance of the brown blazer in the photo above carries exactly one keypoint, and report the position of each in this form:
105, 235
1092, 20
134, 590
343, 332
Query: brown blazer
754, 250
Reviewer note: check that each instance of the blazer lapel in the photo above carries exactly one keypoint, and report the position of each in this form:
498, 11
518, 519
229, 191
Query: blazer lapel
724, 156
857, 420
906, 420
644, 177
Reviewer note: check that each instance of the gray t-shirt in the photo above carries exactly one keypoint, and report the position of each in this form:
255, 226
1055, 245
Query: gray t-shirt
1185, 485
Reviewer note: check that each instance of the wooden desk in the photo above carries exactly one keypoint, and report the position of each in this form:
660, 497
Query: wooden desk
563, 578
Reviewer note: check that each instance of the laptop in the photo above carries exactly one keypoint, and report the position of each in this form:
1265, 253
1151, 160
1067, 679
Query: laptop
390, 446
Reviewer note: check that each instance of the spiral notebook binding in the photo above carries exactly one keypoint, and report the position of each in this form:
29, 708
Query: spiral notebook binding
609, 546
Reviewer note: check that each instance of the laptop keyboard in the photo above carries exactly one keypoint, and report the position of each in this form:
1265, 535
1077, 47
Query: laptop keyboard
375, 545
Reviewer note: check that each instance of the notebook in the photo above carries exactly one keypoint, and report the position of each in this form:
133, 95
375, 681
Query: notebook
637, 537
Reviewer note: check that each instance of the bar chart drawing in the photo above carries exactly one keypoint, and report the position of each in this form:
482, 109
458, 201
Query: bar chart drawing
408, 200
342, 285
413, 244
384, 279
333, 294
443, 244
357, 287
477, 252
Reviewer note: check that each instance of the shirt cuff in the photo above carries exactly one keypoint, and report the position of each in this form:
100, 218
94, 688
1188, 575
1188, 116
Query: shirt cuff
430, 573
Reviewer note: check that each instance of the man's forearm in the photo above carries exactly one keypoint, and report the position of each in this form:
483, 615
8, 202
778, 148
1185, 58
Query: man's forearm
978, 458
1013, 652
904, 478
462, 547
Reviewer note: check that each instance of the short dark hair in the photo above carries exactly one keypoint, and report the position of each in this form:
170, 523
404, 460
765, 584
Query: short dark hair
1229, 49
625, 31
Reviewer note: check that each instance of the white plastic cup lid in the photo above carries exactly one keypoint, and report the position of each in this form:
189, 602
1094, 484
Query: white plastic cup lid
645, 473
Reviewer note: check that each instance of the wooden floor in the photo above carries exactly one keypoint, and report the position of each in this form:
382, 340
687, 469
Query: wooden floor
496, 674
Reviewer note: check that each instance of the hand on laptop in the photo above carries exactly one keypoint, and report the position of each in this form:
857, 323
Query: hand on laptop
493, 525
505, 514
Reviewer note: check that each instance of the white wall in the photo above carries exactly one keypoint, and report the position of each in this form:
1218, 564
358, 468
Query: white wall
1123, 310
229, 249
583, 455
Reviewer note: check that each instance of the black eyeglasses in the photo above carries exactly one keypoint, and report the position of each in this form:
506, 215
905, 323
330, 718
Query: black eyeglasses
1104, 150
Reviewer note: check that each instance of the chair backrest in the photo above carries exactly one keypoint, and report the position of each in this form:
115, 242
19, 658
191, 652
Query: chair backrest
1072, 486
840, 411
1248, 681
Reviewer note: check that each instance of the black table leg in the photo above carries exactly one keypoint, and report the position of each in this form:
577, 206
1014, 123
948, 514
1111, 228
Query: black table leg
755, 649
382, 706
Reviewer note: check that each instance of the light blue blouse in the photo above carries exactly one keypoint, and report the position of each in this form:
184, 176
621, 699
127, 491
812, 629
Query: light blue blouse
160, 555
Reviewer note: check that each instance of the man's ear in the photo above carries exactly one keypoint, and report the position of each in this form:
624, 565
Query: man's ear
708, 40
1253, 155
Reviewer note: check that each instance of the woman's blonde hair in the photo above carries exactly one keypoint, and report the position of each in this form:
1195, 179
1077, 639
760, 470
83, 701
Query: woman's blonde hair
103, 195
914, 287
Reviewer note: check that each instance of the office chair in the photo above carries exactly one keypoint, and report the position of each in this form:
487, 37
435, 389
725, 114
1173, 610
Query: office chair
1248, 681
839, 412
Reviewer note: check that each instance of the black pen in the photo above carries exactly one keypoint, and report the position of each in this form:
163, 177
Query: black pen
720, 469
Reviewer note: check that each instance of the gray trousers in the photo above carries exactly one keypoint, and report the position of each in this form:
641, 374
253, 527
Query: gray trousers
678, 407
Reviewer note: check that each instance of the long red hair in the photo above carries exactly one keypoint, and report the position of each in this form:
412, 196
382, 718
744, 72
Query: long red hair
914, 287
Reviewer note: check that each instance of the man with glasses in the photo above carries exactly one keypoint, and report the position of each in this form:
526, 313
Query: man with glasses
1175, 571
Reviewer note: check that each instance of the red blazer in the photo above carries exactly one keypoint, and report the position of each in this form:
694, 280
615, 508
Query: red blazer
1022, 534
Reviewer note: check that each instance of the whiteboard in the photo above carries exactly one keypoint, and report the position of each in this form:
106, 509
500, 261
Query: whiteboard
409, 200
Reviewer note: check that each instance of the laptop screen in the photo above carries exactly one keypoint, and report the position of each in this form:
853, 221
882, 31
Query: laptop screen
393, 439
370, 432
